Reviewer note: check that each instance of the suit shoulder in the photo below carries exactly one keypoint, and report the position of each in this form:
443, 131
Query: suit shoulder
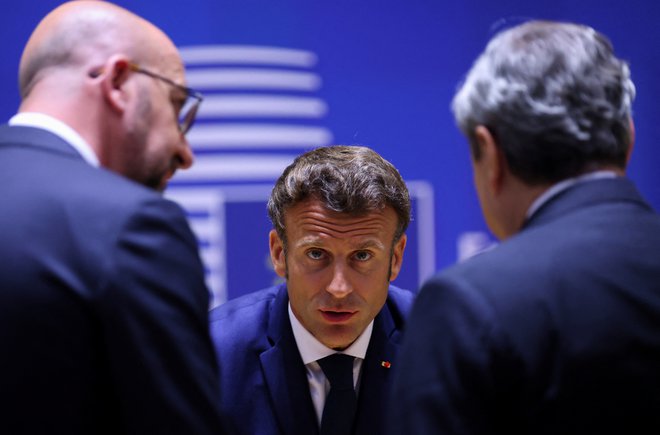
105, 193
248, 304
240, 327
401, 297
400, 302
117, 190
243, 316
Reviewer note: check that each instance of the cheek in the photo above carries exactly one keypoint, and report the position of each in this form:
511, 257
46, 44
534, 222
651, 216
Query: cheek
375, 273
488, 212
306, 269
302, 298
165, 124
374, 299
372, 288
308, 283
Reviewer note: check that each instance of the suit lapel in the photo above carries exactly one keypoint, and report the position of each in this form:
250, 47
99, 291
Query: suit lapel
374, 384
285, 374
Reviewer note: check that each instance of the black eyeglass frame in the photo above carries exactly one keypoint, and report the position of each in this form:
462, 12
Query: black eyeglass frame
188, 119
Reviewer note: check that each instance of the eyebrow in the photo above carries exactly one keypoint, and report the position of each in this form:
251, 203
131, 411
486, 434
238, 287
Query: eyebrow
318, 242
371, 244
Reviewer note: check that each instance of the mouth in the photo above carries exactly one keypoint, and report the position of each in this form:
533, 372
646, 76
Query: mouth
334, 316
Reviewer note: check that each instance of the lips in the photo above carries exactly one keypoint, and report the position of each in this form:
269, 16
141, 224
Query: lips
337, 316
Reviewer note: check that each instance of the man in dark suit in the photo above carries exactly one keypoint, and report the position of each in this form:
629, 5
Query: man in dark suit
557, 330
103, 306
339, 215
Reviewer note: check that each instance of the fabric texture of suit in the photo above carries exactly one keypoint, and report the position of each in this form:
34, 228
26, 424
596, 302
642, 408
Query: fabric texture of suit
263, 380
103, 306
556, 331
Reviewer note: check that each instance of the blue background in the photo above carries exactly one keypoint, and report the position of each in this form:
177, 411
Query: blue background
389, 71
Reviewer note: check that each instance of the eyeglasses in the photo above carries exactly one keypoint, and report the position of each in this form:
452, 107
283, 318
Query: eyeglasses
190, 106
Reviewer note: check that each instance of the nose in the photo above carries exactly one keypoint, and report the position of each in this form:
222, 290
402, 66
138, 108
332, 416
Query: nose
340, 285
184, 154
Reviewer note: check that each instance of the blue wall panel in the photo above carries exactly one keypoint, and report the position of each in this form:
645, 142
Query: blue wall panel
386, 72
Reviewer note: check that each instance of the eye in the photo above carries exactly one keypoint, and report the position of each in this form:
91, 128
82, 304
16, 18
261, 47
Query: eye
363, 255
178, 102
315, 254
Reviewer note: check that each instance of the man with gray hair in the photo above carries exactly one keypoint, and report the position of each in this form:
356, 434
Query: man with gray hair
313, 355
556, 330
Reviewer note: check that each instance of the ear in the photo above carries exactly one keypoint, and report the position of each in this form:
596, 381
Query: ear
397, 257
492, 160
277, 253
115, 73
631, 145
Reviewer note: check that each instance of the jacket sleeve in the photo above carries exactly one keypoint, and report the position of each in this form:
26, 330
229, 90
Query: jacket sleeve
153, 310
453, 375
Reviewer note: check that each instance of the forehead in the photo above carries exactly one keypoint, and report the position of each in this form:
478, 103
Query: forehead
173, 69
176, 69
311, 221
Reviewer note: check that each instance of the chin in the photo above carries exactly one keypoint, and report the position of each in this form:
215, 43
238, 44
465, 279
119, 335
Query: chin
157, 184
339, 343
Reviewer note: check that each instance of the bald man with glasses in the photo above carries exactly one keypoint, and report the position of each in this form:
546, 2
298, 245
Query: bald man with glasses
103, 306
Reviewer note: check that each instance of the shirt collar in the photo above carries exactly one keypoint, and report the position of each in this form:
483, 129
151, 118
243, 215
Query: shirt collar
555, 189
312, 350
58, 128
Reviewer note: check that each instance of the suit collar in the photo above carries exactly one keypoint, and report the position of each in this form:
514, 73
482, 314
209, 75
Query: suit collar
58, 128
36, 138
587, 194
286, 377
557, 188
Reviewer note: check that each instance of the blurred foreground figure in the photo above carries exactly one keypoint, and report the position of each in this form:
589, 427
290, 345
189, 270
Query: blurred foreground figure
557, 330
103, 306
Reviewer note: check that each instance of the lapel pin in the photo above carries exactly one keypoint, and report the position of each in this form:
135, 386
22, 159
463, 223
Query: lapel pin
386, 364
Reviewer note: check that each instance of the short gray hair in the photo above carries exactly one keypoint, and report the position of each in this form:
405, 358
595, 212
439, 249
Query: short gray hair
346, 179
554, 96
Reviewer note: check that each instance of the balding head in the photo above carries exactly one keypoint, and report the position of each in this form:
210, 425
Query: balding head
84, 33
112, 77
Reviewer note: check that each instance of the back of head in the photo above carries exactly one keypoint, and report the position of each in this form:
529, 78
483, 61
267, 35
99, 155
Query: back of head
554, 96
347, 179
80, 67
81, 34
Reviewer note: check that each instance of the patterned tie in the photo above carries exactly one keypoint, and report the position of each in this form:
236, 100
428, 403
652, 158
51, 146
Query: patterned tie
341, 403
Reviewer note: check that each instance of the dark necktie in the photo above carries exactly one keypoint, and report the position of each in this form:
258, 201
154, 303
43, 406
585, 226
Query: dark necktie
341, 403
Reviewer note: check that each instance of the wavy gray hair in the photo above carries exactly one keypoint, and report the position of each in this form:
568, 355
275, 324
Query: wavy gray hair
554, 96
347, 179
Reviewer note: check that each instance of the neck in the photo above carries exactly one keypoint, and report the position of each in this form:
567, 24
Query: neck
515, 202
79, 118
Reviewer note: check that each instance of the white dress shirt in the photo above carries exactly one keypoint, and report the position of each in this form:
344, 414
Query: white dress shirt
58, 128
311, 350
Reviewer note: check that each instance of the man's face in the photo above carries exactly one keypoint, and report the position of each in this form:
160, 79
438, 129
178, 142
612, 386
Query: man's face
488, 174
338, 268
156, 147
480, 185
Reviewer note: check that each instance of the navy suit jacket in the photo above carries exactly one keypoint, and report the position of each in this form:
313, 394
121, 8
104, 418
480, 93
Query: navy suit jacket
103, 306
556, 331
264, 387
